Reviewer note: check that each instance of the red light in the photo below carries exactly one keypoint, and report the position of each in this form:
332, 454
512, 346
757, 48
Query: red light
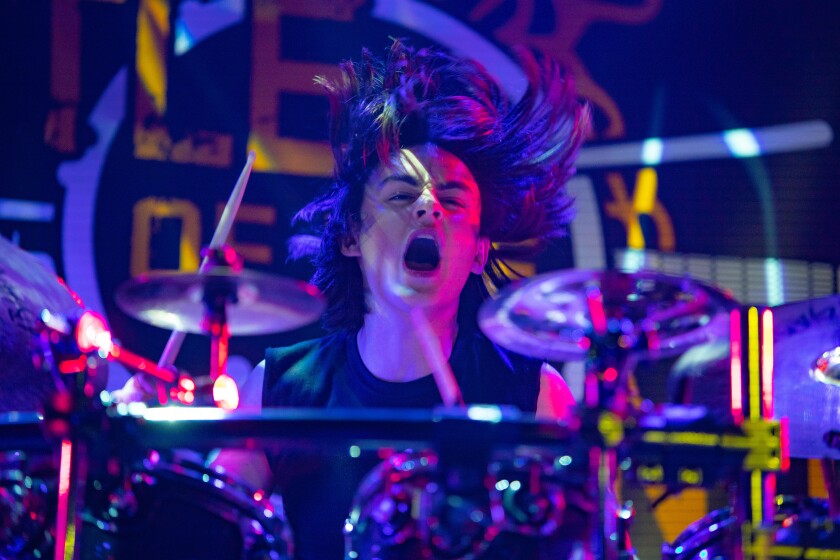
767, 363
385, 453
64, 482
92, 333
597, 313
187, 384
73, 294
653, 341
784, 442
74, 365
610, 374
735, 365
225, 393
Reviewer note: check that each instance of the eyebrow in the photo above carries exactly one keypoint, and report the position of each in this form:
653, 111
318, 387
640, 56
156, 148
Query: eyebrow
404, 177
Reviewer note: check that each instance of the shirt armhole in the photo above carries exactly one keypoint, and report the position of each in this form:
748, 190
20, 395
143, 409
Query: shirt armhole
251, 392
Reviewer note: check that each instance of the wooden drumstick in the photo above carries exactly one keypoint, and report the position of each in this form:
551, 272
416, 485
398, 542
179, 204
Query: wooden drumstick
176, 339
450, 393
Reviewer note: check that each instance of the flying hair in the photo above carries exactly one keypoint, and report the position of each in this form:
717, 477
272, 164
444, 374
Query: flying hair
521, 153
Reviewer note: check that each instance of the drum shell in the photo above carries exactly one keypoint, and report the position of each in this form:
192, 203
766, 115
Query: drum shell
163, 510
177, 510
27, 506
519, 506
801, 529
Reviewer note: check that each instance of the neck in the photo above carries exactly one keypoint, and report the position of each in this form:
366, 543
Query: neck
391, 350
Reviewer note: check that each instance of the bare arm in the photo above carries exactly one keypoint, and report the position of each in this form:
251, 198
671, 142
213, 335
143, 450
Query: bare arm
248, 466
555, 400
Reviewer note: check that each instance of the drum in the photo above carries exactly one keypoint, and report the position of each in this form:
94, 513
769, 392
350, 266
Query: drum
514, 506
408, 507
802, 528
181, 510
532, 492
27, 504
710, 538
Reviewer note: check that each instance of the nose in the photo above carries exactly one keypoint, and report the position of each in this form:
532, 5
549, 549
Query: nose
428, 205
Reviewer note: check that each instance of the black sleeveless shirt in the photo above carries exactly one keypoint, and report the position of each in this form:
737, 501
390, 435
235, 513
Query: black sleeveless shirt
329, 373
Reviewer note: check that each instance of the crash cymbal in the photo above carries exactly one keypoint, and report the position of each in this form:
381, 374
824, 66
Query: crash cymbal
551, 316
258, 304
26, 288
806, 335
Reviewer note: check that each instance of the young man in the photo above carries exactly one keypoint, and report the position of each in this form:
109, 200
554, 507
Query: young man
434, 168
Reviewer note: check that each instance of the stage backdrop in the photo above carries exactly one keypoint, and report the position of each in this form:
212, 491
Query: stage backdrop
126, 124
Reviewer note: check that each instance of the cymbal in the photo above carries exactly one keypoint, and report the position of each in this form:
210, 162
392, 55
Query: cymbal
802, 332
26, 288
548, 316
260, 303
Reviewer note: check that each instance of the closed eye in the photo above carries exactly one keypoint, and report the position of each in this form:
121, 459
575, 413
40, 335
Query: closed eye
455, 202
402, 196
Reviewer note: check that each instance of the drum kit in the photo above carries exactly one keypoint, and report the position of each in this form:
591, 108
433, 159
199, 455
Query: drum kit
86, 478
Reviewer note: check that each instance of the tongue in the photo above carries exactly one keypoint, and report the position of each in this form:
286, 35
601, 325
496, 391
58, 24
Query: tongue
422, 254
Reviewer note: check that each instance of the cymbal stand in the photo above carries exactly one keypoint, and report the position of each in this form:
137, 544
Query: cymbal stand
218, 293
72, 417
606, 406
751, 343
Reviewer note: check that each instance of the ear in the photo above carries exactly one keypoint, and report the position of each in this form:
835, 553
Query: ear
350, 246
482, 250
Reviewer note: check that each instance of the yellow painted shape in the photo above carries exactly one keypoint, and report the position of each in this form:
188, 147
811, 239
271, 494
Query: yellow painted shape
152, 40
148, 209
676, 513
644, 195
816, 482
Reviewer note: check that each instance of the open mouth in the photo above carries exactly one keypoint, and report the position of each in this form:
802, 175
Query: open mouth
422, 255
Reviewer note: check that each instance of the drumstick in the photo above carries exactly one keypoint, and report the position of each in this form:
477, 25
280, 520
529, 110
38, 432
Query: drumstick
450, 393
176, 339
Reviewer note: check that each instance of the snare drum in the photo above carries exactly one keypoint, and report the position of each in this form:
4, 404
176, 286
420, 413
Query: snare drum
802, 528
710, 538
181, 510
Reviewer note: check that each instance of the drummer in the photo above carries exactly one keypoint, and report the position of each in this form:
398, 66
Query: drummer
434, 169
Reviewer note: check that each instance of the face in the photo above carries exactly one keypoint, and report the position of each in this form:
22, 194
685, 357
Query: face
419, 238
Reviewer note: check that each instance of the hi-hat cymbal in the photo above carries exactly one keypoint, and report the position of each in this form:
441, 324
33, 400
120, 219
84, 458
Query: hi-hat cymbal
550, 316
802, 333
259, 303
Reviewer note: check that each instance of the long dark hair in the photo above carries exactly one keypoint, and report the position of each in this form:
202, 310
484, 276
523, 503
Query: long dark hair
521, 154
